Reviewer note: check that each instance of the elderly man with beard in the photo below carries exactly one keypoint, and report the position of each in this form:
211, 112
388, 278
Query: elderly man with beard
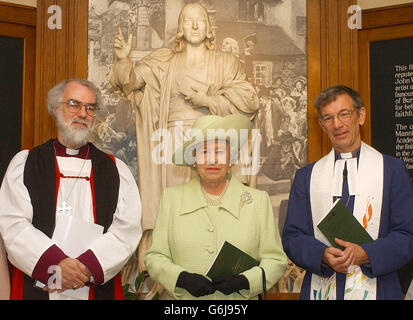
61, 183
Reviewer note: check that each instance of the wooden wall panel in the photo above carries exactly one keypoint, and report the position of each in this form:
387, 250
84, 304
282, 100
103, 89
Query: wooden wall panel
45, 71
338, 55
331, 59
61, 54
314, 73
29, 69
387, 16
80, 29
20, 21
17, 14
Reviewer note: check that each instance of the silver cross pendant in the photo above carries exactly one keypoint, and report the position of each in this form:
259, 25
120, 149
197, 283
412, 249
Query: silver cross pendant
64, 208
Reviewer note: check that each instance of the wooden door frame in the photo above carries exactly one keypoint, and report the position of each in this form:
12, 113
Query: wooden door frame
19, 21
379, 24
331, 60
328, 44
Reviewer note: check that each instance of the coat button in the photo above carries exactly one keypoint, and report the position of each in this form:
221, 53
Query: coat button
210, 250
211, 229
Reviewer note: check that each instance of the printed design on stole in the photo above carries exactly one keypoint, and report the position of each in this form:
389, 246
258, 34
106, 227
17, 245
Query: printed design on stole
367, 208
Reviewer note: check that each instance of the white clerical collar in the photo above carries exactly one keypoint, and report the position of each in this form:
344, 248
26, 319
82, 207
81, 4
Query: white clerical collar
350, 173
72, 152
63, 151
347, 160
347, 155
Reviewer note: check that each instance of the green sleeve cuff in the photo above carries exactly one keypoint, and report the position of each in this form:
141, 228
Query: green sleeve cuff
254, 277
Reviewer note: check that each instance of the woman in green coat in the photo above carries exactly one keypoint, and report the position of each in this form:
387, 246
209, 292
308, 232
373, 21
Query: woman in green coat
196, 218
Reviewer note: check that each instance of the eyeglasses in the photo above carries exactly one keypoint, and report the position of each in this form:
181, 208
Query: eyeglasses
74, 106
343, 116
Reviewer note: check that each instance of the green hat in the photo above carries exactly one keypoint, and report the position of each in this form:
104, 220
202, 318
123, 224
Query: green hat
233, 128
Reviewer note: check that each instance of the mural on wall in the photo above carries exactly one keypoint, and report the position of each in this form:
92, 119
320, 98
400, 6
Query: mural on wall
267, 36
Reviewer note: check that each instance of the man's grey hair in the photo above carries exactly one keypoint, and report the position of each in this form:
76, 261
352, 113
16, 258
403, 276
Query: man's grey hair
330, 94
55, 95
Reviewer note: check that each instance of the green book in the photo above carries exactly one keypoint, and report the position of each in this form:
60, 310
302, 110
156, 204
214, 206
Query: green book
230, 260
340, 223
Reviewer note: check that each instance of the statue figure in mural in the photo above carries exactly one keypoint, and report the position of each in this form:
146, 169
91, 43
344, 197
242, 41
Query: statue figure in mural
171, 89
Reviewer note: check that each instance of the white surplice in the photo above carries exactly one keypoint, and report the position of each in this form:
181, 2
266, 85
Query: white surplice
25, 244
4, 274
409, 294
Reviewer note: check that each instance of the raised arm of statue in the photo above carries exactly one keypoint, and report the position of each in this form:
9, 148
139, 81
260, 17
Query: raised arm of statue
122, 48
121, 74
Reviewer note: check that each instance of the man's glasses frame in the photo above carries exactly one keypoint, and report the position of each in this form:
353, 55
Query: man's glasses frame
74, 106
343, 116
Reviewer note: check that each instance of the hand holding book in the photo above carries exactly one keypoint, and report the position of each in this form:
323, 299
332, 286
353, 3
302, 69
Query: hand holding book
230, 284
337, 259
224, 271
359, 255
338, 224
230, 260
196, 284
341, 260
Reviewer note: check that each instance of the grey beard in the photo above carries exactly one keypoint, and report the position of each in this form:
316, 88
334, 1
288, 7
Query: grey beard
75, 137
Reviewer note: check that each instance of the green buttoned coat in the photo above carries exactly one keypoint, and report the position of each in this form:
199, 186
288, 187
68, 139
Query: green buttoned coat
185, 239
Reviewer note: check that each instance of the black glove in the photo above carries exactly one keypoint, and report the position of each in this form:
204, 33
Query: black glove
195, 284
230, 284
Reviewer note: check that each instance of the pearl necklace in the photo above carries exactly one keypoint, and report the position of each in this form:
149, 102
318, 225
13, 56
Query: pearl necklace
213, 200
